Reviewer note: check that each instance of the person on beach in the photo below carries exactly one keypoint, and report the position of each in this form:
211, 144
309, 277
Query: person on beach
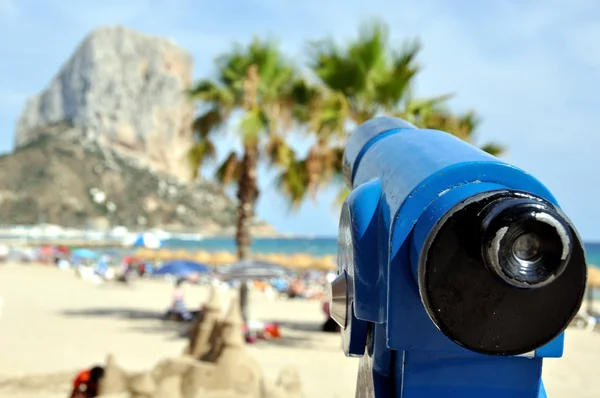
297, 288
178, 294
178, 306
87, 382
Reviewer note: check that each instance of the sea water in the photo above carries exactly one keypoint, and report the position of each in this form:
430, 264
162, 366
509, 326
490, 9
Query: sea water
314, 246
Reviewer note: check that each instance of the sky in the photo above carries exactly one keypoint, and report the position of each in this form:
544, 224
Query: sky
531, 69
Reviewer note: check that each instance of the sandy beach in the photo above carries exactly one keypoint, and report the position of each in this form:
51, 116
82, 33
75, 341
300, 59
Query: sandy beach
54, 324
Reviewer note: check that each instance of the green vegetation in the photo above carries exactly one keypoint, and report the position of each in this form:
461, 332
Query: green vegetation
257, 84
269, 97
363, 79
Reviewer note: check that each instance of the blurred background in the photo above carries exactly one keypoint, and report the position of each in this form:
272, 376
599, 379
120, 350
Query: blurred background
162, 159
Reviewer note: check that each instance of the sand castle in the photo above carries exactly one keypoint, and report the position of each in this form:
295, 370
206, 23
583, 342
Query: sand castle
215, 364
206, 327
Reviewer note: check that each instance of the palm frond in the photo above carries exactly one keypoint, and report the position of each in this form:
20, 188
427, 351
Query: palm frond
394, 83
278, 152
332, 65
421, 111
202, 152
252, 124
330, 118
293, 183
494, 149
209, 121
229, 171
212, 92
341, 196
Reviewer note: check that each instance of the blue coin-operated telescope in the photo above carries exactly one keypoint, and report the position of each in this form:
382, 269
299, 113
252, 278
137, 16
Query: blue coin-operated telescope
457, 272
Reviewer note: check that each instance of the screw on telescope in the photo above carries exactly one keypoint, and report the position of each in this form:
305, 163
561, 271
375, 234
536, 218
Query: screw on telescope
525, 242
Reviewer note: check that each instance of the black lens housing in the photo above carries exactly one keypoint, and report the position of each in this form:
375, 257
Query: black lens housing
506, 222
486, 302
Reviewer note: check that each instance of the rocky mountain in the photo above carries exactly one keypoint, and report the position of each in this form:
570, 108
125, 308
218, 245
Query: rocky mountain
62, 178
105, 144
127, 91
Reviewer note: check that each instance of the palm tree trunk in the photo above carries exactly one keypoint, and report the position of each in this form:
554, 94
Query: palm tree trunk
247, 194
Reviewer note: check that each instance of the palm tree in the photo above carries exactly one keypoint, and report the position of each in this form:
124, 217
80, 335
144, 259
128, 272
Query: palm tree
258, 85
359, 81
434, 114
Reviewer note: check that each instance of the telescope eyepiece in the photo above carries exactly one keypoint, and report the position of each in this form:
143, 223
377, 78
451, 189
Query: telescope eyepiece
526, 243
502, 272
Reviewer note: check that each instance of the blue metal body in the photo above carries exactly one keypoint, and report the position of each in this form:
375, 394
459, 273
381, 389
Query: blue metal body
403, 180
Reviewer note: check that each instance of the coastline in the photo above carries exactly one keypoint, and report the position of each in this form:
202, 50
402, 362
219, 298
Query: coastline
262, 243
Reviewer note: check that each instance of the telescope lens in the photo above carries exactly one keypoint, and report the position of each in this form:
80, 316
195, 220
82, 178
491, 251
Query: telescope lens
502, 273
527, 247
526, 243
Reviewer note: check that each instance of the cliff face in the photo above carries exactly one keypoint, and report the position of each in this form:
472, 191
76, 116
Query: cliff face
126, 90
68, 180
105, 144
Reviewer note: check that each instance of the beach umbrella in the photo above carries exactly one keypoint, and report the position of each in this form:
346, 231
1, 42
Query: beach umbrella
221, 258
593, 276
147, 240
56, 250
181, 254
162, 254
183, 268
252, 270
131, 259
259, 256
201, 256
85, 254
277, 258
326, 263
143, 252
331, 258
300, 260
62, 249
46, 251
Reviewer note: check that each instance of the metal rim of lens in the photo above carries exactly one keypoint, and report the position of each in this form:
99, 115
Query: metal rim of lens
540, 269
